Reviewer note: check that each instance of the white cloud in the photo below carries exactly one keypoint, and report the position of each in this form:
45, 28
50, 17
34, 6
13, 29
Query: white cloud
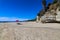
11, 19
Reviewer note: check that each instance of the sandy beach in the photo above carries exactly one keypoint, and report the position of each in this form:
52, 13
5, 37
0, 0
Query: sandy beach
30, 31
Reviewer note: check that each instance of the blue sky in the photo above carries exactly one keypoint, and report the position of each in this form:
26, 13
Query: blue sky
19, 9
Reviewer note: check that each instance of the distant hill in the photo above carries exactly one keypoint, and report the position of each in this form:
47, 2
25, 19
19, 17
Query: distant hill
8, 21
31, 20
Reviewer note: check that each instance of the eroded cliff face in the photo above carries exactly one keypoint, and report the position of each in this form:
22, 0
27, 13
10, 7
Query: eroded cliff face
52, 12
58, 14
58, 1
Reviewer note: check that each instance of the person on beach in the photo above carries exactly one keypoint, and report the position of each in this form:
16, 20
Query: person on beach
18, 22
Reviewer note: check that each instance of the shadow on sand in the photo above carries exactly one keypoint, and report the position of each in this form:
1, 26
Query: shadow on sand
19, 24
54, 22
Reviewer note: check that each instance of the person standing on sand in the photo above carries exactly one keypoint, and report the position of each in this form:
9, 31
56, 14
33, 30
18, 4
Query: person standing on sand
18, 22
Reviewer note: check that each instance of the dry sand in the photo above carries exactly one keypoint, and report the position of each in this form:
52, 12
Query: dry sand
30, 31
